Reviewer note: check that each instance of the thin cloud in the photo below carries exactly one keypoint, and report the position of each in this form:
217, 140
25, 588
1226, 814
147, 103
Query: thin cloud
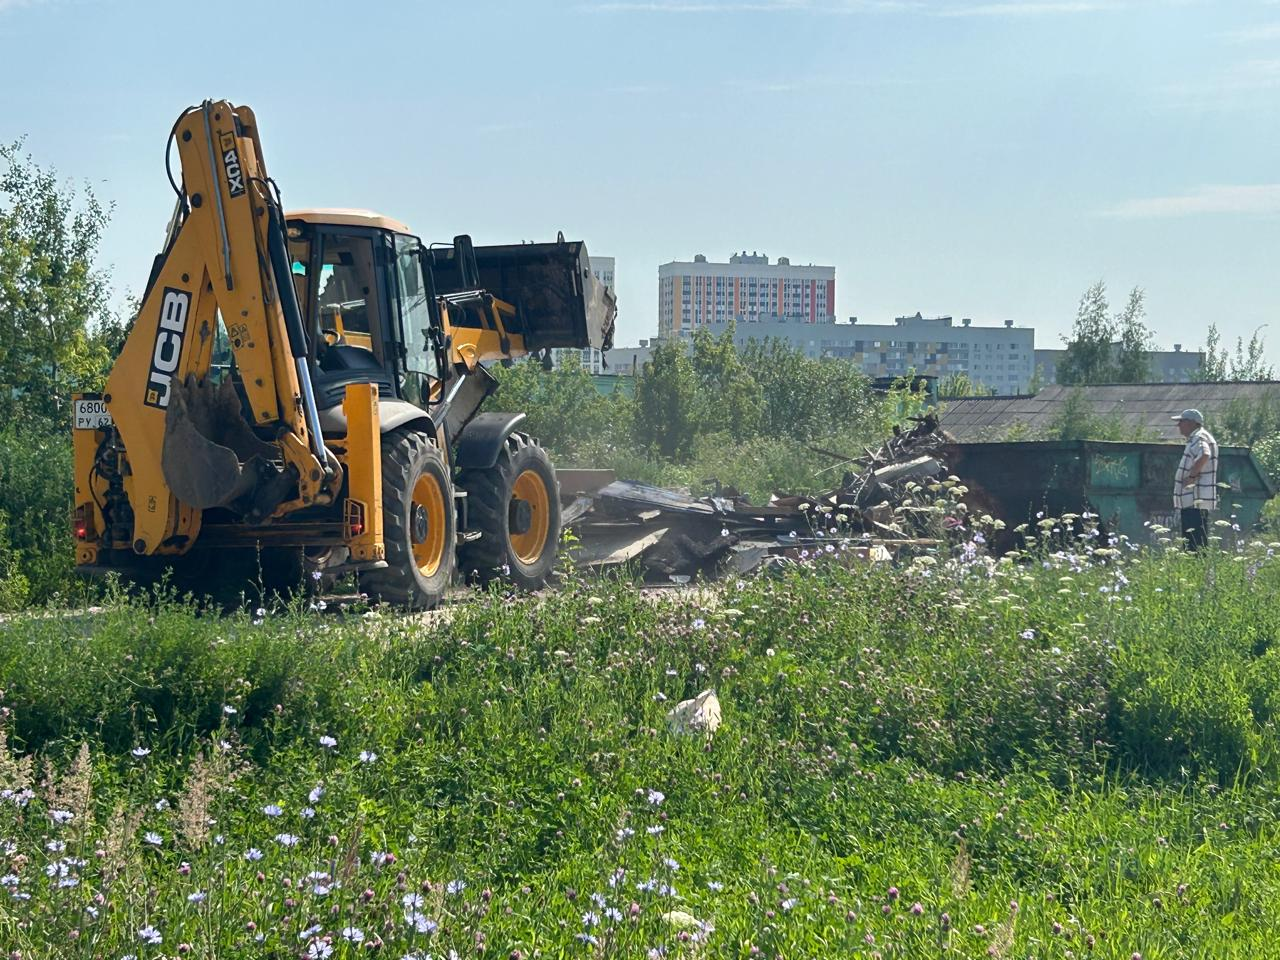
1262, 31
1028, 8
1239, 85
1256, 200
696, 6
752, 6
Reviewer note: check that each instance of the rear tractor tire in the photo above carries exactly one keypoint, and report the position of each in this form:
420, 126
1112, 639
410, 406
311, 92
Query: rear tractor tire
515, 504
419, 523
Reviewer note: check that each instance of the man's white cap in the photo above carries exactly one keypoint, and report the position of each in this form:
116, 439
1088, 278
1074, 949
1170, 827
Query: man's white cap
1195, 416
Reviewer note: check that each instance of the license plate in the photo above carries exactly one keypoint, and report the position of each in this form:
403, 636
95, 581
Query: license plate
91, 414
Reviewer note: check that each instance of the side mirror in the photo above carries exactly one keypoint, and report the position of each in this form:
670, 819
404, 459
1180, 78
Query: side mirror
465, 253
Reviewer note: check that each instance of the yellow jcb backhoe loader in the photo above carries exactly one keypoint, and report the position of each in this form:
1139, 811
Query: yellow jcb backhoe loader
298, 395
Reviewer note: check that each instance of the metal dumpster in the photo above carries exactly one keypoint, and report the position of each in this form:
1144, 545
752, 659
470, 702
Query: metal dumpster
1128, 485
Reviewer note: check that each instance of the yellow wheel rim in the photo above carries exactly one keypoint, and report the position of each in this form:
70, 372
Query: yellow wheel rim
427, 525
528, 546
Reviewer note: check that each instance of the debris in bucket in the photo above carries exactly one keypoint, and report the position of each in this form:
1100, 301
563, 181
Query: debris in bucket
672, 537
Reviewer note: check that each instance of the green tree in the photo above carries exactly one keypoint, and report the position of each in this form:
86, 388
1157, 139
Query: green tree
808, 399
1105, 348
958, 385
53, 300
730, 400
1132, 359
667, 401
1247, 363
564, 410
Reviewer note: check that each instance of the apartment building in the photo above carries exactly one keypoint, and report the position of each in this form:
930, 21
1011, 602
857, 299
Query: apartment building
699, 293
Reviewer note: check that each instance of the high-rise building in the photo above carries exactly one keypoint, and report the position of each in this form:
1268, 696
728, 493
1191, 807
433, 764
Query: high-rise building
602, 268
697, 293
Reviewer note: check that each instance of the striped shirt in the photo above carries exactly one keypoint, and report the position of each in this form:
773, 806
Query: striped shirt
1203, 494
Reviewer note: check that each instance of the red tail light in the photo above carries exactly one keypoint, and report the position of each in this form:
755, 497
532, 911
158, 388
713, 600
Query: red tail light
355, 518
81, 524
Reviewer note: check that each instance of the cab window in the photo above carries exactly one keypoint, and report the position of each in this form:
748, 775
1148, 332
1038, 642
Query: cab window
347, 292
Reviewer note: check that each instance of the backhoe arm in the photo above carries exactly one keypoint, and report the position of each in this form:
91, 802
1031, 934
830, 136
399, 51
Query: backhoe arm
187, 446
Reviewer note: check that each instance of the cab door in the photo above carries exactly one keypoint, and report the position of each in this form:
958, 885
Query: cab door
420, 362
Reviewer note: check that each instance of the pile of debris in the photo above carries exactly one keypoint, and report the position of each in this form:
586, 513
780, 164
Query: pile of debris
673, 537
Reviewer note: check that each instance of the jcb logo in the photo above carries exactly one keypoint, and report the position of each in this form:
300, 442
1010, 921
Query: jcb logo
168, 349
231, 163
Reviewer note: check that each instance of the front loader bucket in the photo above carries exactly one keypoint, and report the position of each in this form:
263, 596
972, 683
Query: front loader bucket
208, 446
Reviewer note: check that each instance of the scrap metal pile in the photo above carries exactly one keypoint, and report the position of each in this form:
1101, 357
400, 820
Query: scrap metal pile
673, 537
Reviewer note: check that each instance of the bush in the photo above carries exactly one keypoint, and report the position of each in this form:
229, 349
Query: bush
36, 494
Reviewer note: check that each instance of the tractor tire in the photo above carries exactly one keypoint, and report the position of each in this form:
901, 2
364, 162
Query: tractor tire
515, 504
419, 523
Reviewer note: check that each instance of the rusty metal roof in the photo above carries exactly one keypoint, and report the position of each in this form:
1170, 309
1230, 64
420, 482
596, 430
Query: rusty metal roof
1148, 405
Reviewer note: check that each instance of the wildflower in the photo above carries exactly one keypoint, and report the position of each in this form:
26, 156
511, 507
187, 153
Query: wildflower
162, 805
150, 935
789, 903
321, 889
656, 797
353, 934
310, 932
56, 846
153, 838
698, 623
587, 938
287, 839
253, 854
319, 950
715, 886
140, 752
590, 919
367, 756
917, 908
614, 914
626, 833
229, 710
420, 922
455, 887
328, 742
62, 816
307, 813
1028, 634
316, 793
411, 901
670, 864
69, 882
654, 830
272, 810
197, 897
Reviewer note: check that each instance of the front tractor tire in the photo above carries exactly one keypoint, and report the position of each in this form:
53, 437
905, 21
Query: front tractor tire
419, 524
515, 506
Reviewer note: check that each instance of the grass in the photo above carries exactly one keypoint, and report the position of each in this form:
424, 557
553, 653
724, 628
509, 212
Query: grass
1073, 755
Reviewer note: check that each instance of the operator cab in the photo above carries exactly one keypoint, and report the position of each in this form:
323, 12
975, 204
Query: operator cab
365, 303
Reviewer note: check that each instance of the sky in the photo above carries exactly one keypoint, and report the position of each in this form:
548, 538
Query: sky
980, 158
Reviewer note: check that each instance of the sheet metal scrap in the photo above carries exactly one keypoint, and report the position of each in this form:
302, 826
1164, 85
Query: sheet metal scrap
673, 536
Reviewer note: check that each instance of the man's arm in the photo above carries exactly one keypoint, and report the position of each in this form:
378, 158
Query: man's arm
1195, 470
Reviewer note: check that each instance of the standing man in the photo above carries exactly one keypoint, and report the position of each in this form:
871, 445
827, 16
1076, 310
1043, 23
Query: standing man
1195, 487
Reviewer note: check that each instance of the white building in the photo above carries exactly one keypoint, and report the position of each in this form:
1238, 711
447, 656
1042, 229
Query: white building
1163, 366
697, 293
591, 358
999, 357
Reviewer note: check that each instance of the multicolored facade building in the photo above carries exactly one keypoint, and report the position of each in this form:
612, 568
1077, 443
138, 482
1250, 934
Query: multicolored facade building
698, 293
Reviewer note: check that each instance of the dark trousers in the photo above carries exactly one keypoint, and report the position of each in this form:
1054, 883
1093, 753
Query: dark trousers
1195, 527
